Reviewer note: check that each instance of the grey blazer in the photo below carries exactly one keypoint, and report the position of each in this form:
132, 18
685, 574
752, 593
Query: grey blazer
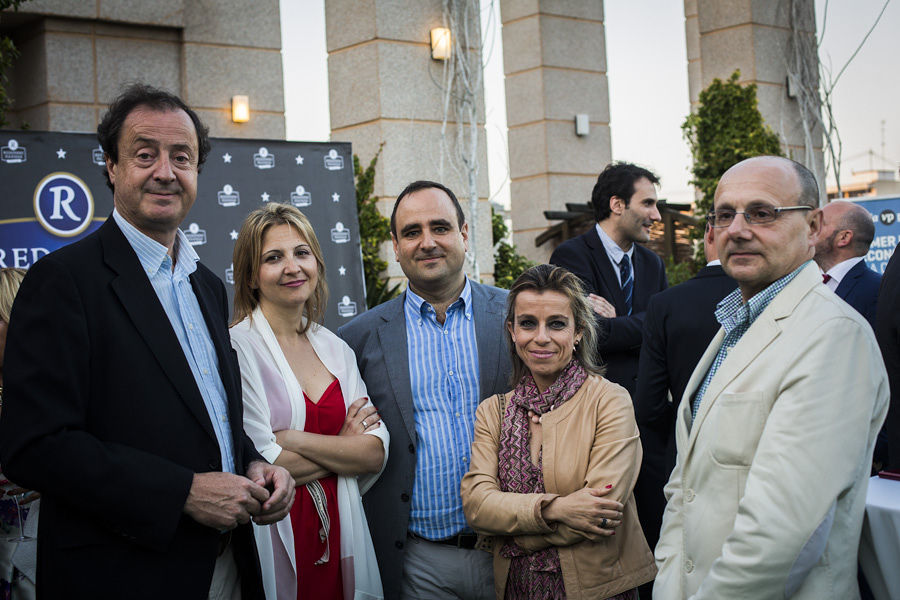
378, 337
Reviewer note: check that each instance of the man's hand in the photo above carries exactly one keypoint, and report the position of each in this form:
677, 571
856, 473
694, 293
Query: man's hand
601, 306
224, 500
278, 482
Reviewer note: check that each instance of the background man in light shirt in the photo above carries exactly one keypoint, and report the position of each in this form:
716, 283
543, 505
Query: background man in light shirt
847, 232
428, 358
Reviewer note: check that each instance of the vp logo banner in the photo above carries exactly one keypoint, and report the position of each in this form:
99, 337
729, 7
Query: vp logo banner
63, 204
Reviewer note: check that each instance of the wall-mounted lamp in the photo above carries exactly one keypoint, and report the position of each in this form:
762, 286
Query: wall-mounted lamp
240, 109
440, 43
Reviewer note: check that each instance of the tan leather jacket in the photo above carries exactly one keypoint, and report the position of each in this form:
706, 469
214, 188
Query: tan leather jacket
591, 440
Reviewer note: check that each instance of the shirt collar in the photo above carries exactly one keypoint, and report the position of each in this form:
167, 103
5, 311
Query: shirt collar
840, 270
613, 251
732, 311
420, 306
153, 255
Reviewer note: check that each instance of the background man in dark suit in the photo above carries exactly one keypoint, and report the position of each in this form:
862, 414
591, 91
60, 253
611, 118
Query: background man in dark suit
123, 404
428, 358
679, 324
887, 330
620, 275
847, 233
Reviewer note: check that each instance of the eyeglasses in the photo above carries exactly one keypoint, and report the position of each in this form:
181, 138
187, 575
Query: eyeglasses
755, 215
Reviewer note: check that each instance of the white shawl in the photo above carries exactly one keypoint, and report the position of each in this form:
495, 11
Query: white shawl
266, 376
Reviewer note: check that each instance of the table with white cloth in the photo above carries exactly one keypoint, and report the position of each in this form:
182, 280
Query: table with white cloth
879, 546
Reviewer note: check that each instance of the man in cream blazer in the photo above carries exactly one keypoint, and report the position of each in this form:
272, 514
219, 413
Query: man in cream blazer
777, 425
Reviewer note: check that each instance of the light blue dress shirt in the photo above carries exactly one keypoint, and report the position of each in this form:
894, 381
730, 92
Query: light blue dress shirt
175, 293
443, 375
615, 253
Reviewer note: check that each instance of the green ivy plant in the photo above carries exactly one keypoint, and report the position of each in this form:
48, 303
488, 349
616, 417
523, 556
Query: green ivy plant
374, 229
8, 56
508, 264
726, 129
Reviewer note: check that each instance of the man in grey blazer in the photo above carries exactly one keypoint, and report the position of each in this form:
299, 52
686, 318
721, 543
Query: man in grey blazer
428, 358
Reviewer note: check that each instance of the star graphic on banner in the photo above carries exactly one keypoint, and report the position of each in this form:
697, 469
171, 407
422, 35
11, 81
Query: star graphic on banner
233, 234
264, 196
335, 197
226, 157
342, 270
60, 153
299, 159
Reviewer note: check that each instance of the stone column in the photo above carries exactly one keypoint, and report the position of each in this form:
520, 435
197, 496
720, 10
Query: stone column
554, 56
758, 37
384, 87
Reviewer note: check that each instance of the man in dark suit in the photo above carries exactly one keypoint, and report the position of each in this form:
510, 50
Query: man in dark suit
887, 330
620, 275
679, 324
428, 358
847, 233
123, 403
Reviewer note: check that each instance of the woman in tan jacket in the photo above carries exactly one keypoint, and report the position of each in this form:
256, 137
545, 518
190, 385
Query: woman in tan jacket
554, 461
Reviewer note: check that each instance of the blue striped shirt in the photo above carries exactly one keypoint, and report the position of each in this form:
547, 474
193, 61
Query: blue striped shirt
173, 288
443, 374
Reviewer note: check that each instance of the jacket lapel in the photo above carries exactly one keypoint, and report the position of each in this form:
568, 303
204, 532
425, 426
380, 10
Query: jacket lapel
139, 299
490, 346
603, 266
392, 337
849, 281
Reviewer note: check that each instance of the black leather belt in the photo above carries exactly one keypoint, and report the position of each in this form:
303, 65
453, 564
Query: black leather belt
466, 541
224, 540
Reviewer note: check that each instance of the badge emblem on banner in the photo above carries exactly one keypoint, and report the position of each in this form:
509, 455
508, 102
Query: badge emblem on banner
63, 204
97, 156
13, 153
300, 197
340, 234
334, 161
229, 274
263, 159
195, 236
346, 308
228, 196
887, 217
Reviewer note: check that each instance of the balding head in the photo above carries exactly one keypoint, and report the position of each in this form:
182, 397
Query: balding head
847, 232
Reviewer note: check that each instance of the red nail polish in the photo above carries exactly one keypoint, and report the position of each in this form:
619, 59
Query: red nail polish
609, 487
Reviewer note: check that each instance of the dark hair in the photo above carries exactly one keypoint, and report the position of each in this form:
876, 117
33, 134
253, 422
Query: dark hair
415, 186
139, 95
617, 179
543, 278
809, 188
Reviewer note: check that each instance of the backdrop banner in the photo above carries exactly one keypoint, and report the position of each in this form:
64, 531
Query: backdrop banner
54, 193
885, 213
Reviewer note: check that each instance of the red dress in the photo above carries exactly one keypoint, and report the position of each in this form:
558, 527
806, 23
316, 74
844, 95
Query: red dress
322, 580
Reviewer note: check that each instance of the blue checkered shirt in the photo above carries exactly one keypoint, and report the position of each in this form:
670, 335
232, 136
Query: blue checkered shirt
175, 293
443, 376
736, 317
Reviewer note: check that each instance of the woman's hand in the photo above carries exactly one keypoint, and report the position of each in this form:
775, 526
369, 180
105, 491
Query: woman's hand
360, 418
586, 510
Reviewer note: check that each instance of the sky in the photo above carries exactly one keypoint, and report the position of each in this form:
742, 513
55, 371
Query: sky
648, 90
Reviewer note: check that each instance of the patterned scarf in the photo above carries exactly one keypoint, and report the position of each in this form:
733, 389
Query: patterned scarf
516, 472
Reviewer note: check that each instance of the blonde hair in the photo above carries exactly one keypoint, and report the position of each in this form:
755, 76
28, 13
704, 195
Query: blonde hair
543, 278
248, 252
10, 279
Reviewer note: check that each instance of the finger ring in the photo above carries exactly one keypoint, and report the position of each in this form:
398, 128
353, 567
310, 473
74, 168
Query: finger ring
365, 425
603, 524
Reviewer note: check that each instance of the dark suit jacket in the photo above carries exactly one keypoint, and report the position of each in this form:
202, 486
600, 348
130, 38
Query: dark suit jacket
678, 326
620, 338
859, 289
887, 330
104, 418
378, 337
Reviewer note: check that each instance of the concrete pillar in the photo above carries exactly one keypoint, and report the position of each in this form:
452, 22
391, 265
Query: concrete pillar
76, 56
554, 56
384, 87
756, 36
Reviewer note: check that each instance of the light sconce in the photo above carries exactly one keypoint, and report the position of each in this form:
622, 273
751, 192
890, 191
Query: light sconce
440, 43
240, 109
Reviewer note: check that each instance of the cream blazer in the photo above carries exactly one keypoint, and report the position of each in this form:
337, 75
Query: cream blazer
268, 384
768, 493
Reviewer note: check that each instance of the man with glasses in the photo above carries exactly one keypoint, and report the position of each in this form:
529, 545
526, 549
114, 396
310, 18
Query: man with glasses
777, 425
